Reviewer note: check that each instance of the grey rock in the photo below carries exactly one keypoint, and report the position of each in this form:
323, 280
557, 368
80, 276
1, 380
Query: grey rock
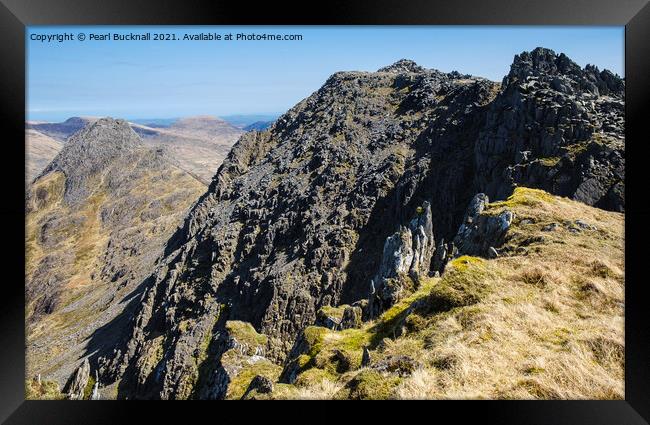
407, 252
260, 384
365, 357
568, 121
78, 381
550, 227
480, 233
351, 317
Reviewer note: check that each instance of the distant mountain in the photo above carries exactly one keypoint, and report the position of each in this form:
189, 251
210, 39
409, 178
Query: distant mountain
62, 130
39, 151
259, 125
154, 122
97, 218
198, 144
243, 120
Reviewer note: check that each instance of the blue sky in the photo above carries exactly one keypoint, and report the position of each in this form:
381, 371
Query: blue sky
154, 79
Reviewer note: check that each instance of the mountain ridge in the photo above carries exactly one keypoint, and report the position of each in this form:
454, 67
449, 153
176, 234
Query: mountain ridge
363, 214
295, 218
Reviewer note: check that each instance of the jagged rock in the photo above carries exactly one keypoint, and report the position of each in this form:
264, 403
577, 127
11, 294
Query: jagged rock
480, 233
402, 66
550, 227
408, 252
78, 381
260, 384
343, 361
556, 127
351, 317
337, 318
583, 225
365, 357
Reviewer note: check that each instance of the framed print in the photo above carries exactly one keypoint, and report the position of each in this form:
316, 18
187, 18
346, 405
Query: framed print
423, 201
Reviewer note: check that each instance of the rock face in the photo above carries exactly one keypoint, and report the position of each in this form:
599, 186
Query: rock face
96, 220
555, 127
355, 184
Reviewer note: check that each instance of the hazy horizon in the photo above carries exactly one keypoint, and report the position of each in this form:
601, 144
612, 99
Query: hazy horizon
170, 79
235, 119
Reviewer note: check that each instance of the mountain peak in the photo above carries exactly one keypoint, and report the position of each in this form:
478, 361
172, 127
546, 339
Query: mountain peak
544, 64
402, 66
106, 134
90, 150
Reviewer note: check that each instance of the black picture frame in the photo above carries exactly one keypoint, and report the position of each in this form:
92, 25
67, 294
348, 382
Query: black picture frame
15, 15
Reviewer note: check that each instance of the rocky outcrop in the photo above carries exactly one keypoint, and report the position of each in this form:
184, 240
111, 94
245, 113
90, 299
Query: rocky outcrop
556, 127
407, 254
479, 233
78, 381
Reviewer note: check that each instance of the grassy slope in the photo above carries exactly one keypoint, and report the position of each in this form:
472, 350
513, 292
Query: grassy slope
544, 320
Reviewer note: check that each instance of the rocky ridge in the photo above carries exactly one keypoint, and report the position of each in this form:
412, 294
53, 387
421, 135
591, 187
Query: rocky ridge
354, 196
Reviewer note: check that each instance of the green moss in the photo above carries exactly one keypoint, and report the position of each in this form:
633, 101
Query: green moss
463, 263
463, 284
395, 316
314, 336
522, 196
333, 312
245, 333
240, 382
88, 389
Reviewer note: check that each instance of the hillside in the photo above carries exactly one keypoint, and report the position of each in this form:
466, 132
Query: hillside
198, 144
61, 130
97, 219
39, 151
358, 196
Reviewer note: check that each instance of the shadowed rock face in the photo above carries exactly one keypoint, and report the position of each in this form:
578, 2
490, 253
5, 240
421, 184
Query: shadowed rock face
297, 216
